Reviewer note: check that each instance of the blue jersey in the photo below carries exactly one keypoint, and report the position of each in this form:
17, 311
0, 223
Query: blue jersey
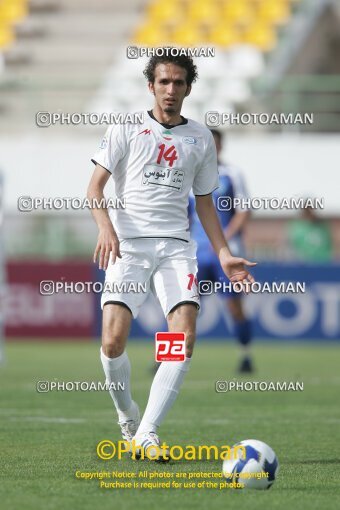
231, 186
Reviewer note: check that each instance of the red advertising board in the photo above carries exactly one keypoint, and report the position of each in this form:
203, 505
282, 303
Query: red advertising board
32, 311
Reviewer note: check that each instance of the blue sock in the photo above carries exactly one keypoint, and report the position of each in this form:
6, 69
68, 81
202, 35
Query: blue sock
243, 331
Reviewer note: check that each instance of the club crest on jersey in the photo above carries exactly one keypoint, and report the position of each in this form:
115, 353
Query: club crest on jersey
189, 140
167, 132
146, 132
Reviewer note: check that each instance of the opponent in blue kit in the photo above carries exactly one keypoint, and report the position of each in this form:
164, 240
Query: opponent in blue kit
230, 200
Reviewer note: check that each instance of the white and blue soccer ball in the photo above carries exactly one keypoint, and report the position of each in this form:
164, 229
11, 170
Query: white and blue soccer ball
254, 467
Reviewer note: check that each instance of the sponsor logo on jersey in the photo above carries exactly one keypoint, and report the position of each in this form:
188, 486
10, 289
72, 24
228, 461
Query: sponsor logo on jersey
189, 140
146, 132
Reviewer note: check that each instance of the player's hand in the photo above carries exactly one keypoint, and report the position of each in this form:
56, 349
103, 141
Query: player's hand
107, 243
235, 269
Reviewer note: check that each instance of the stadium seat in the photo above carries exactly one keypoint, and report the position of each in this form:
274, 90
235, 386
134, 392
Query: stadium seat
161, 11
224, 23
201, 91
224, 36
203, 12
277, 12
187, 35
232, 90
148, 35
13, 10
130, 68
6, 36
218, 104
261, 36
245, 61
215, 67
240, 12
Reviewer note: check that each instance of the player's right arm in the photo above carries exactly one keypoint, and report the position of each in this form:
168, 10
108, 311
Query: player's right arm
107, 238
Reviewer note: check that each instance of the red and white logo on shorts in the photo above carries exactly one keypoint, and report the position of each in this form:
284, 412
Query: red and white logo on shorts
170, 346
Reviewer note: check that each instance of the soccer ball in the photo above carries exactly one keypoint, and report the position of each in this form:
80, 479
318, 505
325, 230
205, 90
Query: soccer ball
253, 467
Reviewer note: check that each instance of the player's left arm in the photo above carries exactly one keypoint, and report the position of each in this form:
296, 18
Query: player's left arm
234, 267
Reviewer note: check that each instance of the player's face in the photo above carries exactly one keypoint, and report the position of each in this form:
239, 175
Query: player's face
170, 87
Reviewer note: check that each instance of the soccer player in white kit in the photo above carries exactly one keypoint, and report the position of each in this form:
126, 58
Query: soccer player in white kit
154, 166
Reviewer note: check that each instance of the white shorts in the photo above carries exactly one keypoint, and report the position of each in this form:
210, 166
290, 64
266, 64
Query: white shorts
167, 267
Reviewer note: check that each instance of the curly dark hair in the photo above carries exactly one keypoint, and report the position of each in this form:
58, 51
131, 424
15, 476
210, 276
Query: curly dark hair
171, 55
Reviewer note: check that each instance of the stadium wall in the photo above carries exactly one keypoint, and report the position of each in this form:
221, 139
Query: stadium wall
313, 314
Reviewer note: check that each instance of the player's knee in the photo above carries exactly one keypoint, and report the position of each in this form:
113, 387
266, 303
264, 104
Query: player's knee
113, 343
116, 325
112, 347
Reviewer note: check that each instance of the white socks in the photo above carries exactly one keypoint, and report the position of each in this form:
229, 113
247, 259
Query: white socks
163, 393
164, 389
117, 370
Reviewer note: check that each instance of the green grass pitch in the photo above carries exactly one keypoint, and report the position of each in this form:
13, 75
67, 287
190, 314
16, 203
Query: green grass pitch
46, 437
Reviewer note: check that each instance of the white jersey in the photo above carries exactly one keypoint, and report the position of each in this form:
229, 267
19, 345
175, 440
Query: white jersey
153, 169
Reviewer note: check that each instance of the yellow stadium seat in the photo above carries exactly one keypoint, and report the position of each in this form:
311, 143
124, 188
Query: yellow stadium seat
262, 36
148, 35
203, 12
277, 12
187, 35
13, 11
224, 36
239, 11
164, 11
6, 36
